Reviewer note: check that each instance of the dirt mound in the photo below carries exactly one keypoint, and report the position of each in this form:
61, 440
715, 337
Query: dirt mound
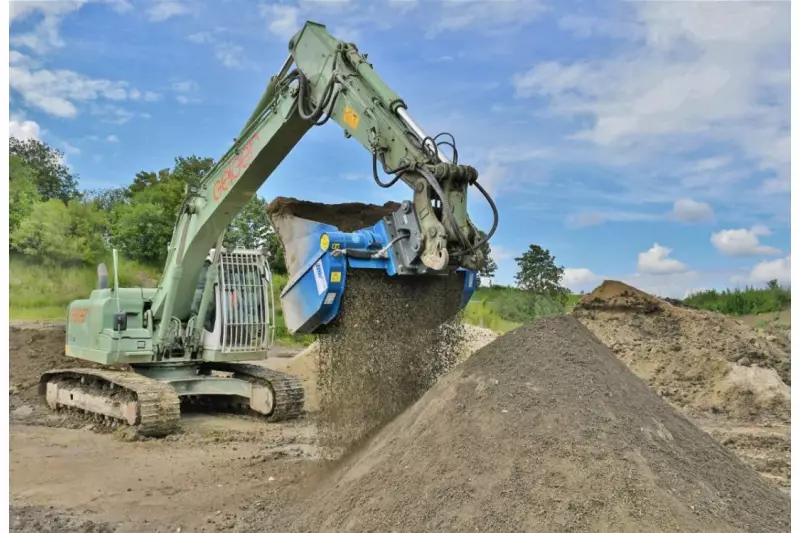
541, 430
691, 357
33, 351
617, 295
708, 365
346, 217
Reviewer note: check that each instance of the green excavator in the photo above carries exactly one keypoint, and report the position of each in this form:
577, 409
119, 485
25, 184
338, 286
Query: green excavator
214, 309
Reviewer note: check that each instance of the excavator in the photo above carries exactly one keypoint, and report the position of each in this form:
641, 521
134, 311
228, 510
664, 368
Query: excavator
213, 309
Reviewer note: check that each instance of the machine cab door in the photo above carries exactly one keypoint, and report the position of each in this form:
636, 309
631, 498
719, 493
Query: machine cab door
243, 312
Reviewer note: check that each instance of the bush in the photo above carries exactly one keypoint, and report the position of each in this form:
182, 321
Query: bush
750, 301
57, 233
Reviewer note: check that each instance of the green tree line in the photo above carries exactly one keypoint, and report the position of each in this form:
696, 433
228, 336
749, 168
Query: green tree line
51, 221
747, 301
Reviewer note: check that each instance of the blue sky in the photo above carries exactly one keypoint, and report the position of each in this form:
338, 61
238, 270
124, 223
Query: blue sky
642, 141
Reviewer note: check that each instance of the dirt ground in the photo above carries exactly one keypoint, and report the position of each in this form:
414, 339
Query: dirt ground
67, 475
241, 474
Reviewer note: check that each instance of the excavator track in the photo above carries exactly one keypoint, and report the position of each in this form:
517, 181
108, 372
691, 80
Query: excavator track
289, 396
114, 397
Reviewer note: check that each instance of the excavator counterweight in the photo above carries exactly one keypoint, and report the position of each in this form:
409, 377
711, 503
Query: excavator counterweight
215, 308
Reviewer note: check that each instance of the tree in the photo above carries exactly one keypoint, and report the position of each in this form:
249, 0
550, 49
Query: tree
53, 178
142, 226
490, 267
252, 229
23, 194
539, 276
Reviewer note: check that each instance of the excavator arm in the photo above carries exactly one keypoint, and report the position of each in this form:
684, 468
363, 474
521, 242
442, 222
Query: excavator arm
331, 81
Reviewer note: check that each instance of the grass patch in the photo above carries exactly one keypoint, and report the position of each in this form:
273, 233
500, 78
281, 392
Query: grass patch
43, 292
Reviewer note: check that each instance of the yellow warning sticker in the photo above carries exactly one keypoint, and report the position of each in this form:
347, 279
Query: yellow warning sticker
336, 276
350, 117
324, 241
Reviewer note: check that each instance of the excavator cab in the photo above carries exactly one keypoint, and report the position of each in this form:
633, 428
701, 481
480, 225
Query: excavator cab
240, 322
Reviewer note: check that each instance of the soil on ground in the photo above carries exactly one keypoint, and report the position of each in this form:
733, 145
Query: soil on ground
731, 378
543, 429
68, 475
34, 350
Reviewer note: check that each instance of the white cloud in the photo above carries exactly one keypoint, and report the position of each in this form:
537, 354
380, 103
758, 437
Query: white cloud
577, 279
115, 114
742, 242
23, 129
656, 260
501, 253
162, 11
184, 100
230, 55
282, 21
780, 269
689, 75
688, 210
56, 92
45, 35
595, 218
186, 86
147, 96
484, 16
112, 139
492, 178
667, 285
70, 149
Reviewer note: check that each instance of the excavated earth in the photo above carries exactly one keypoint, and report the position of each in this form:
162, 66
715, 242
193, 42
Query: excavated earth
543, 429
732, 379
347, 217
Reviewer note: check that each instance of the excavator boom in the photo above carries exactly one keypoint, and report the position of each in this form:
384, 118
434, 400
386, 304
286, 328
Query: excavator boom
213, 308
331, 81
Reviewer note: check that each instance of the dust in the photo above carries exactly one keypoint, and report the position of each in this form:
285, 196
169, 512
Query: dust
706, 365
392, 340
